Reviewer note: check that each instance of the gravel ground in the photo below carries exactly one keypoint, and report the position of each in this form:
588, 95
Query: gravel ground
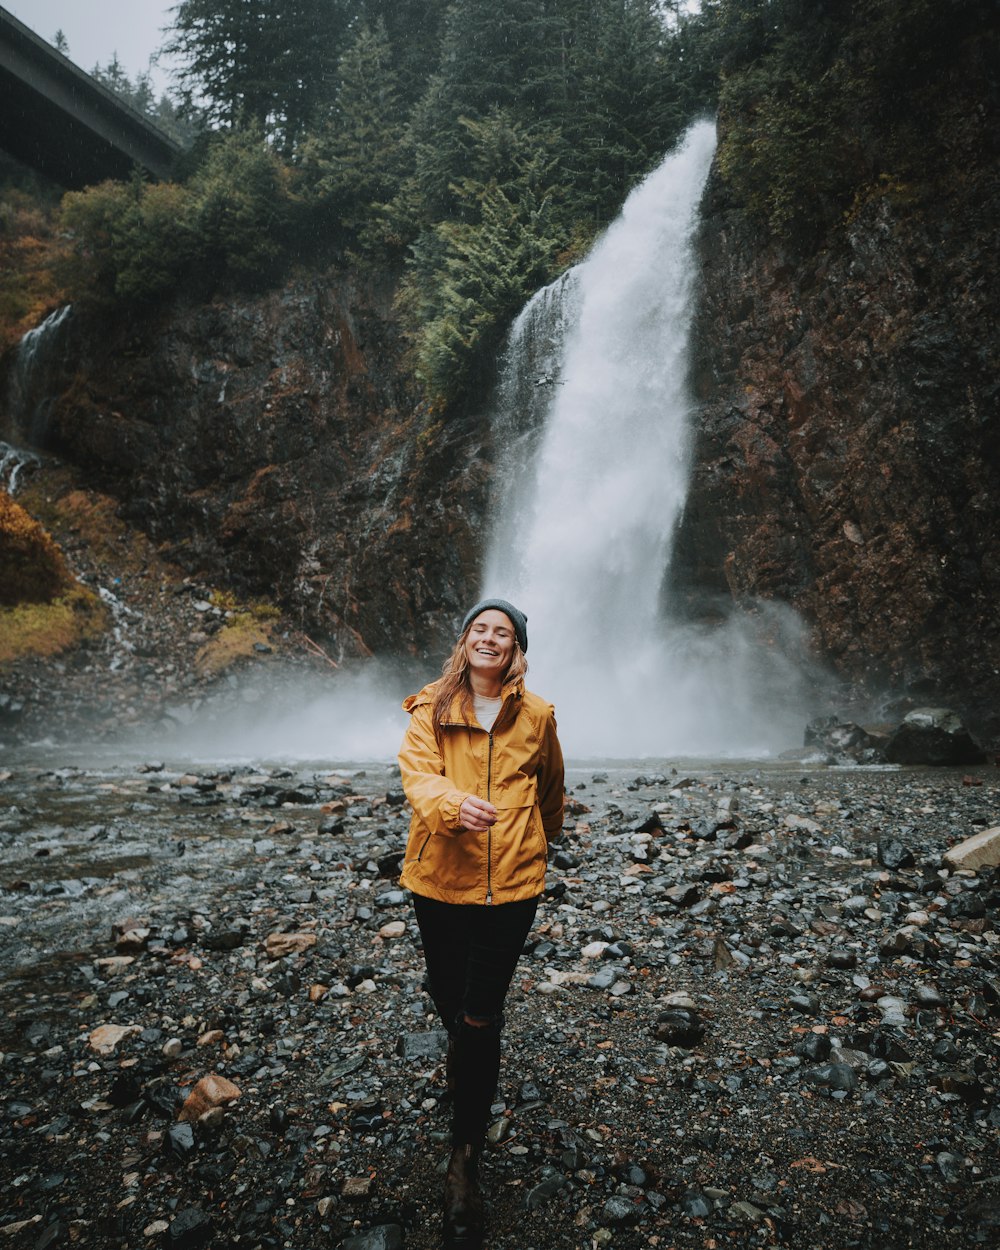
755, 1010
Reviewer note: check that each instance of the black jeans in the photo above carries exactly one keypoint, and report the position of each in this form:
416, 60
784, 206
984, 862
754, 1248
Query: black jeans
471, 953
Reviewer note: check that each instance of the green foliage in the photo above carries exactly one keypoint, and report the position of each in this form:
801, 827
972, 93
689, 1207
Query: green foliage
137, 240
820, 99
138, 94
485, 140
272, 63
469, 276
29, 247
413, 30
240, 204
353, 165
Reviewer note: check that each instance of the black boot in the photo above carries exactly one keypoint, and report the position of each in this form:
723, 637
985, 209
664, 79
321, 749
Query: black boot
463, 1201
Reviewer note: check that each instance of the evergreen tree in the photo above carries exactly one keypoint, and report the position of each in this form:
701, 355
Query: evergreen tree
271, 62
60, 42
413, 29
353, 165
472, 272
630, 112
114, 77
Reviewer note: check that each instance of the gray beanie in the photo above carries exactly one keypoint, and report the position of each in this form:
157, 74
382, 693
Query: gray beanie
517, 618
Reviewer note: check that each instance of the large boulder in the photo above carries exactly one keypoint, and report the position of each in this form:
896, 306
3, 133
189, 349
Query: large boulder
843, 741
933, 735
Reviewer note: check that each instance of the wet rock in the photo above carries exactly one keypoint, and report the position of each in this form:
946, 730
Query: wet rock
429, 1046
210, 1091
815, 1047
982, 850
839, 741
696, 1204
341, 1074
56, 1234
928, 996
892, 853
114, 965
603, 979
279, 945
105, 1038
225, 939
190, 1230
933, 736
179, 1140
984, 1214
836, 1077
619, 1212
545, 1190
746, 1212
683, 895
679, 1026
389, 865
381, 1237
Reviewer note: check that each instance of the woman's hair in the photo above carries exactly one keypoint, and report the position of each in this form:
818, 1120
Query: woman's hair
455, 678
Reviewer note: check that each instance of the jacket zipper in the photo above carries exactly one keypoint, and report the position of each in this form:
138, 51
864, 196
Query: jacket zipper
489, 831
489, 783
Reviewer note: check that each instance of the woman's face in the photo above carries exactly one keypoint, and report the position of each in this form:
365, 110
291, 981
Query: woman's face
489, 646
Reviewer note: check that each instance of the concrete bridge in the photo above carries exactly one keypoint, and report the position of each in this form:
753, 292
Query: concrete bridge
60, 121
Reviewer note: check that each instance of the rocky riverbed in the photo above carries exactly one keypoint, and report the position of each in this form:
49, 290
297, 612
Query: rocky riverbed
756, 1009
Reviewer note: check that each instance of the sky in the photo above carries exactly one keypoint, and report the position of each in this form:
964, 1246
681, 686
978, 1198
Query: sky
97, 29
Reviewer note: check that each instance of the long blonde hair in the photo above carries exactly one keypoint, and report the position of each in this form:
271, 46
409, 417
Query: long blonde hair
455, 678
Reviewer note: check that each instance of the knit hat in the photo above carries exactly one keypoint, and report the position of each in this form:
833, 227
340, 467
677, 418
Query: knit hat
517, 618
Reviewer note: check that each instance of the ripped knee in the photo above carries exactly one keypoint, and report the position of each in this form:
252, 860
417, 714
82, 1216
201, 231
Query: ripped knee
479, 1025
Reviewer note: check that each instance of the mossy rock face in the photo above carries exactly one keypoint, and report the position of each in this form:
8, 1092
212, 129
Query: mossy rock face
247, 630
43, 609
32, 568
44, 629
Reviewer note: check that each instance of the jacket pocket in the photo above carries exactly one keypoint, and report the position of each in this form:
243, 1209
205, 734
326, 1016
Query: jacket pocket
516, 791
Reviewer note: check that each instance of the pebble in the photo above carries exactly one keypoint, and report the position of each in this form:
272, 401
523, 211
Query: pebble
382, 1237
211, 1091
664, 1035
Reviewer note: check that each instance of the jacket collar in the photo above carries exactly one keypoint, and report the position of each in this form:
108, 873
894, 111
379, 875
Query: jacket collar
511, 690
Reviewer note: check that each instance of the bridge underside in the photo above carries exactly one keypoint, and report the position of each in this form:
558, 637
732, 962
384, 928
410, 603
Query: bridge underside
60, 121
38, 133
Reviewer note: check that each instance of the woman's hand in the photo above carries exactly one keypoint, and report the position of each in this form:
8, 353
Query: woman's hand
476, 814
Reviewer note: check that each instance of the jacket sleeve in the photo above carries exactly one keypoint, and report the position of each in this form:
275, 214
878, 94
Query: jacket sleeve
432, 796
551, 779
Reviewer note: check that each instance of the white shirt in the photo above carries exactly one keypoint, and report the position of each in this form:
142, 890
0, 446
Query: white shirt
486, 709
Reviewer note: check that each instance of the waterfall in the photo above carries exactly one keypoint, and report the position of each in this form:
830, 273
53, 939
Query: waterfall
13, 462
587, 502
30, 399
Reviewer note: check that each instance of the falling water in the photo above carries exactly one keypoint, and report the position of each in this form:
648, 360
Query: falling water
588, 503
30, 400
13, 462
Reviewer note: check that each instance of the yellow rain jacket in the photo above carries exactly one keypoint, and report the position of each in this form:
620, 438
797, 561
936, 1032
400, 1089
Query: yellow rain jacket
518, 767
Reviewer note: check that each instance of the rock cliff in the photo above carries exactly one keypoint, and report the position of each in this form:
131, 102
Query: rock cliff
846, 450
273, 444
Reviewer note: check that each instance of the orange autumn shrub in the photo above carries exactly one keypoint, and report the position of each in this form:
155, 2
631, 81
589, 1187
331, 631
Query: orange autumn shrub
32, 568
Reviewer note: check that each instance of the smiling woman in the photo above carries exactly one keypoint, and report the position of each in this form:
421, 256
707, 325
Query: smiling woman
483, 771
